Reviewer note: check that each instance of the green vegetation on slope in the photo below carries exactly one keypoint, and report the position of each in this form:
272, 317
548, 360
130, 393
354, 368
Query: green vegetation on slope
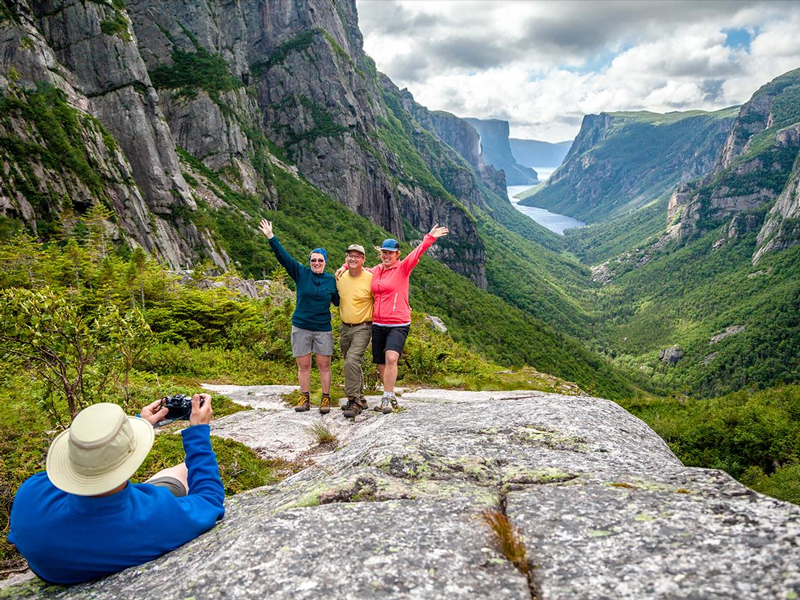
601, 241
754, 437
193, 71
56, 140
687, 295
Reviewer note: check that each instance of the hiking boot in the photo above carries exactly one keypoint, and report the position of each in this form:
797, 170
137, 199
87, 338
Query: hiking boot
305, 404
352, 409
385, 406
394, 403
362, 402
325, 405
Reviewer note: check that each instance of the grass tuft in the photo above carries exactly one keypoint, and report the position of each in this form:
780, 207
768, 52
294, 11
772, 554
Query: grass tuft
508, 540
322, 434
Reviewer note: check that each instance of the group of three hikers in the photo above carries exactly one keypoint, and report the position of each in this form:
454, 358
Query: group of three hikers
82, 519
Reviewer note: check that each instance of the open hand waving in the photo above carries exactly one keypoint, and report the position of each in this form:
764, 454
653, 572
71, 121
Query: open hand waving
266, 228
438, 232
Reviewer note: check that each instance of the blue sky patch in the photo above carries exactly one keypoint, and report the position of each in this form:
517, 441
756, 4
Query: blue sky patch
738, 38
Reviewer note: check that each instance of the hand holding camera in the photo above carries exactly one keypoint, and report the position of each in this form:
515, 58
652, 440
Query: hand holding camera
196, 409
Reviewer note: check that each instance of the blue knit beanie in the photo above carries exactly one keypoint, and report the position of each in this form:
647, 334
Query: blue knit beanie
320, 251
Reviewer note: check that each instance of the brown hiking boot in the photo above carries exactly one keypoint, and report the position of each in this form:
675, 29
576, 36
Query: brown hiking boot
362, 402
304, 405
352, 409
325, 405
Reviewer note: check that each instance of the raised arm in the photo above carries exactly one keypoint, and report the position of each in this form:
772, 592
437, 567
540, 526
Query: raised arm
410, 261
287, 261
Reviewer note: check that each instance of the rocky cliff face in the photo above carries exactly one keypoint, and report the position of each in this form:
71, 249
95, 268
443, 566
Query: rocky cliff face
603, 507
622, 161
462, 137
496, 151
229, 84
757, 169
782, 227
82, 125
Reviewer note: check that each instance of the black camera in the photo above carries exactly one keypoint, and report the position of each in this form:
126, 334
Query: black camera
179, 405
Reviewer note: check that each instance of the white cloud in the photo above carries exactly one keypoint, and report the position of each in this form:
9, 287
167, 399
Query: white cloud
543, 65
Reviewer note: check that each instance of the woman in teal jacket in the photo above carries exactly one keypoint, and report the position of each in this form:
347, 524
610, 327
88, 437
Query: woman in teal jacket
311, 320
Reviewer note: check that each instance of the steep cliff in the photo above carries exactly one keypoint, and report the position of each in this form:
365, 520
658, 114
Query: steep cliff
623, 161
231, 85
81, 125
754, 181
496, 151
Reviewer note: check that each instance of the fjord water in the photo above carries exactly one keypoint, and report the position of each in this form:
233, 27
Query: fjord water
553, 221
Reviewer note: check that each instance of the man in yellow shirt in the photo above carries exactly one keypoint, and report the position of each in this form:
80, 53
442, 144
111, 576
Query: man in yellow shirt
355, 308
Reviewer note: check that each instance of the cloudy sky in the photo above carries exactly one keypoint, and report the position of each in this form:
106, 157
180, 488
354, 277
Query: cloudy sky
542, 65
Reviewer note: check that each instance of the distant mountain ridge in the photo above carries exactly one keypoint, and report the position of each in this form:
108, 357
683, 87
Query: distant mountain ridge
624, 160
535, 153
755, 181
496, 151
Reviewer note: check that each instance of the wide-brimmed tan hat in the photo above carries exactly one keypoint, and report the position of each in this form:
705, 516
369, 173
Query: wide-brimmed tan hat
100, 451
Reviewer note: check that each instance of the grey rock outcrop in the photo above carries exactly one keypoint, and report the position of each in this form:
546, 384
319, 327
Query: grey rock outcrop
671, 355
121, 152
436, 323
731, 330
604, 508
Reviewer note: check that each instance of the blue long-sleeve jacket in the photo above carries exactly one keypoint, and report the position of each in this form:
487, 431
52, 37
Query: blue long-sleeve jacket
69, 539
315, 292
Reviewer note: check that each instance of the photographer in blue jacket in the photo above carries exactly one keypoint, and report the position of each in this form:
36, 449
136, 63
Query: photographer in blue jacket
82, 519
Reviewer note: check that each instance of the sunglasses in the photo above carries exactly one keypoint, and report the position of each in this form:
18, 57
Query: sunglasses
317, 260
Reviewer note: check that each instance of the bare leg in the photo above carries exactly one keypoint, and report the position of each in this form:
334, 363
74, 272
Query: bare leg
381, 370
389, 371
324, 366
179, 472
304, 372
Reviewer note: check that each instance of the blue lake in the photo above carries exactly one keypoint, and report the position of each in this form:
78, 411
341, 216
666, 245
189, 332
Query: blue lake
553, 221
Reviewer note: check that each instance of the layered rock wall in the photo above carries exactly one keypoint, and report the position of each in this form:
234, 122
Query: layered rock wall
112, 113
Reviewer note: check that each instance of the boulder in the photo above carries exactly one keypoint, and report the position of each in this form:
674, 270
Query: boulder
604, 508
436, 323
671, 355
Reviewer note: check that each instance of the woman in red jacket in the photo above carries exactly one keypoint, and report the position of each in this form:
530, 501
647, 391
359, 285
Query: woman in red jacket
391, 315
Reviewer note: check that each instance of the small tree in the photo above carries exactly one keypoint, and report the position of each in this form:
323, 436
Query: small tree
78, 356
127, 337
20, 261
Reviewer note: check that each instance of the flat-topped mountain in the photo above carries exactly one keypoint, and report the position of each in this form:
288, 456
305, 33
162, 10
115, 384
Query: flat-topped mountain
624, 160
496, 151
603, 507
535, 153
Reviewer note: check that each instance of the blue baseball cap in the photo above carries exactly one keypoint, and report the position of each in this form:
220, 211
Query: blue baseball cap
390, 244
320, 251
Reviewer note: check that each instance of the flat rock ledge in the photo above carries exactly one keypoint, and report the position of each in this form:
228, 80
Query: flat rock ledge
604, 507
